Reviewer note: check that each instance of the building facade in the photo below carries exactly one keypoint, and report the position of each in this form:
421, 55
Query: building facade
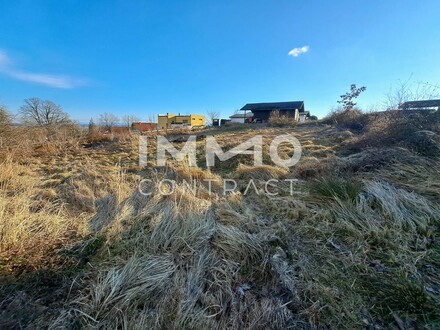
262, 111
303, 116
173, 121
241, 118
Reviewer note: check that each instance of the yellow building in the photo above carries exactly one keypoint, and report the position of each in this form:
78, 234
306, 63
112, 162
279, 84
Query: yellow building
171, 121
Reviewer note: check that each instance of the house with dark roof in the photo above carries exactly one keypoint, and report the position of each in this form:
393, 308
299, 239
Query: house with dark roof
262, 111
241, 118
421, 105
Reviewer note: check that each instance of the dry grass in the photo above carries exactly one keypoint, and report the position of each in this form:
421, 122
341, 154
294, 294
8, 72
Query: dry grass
355, 246
262, 172
278, 120
34, 222
417, 131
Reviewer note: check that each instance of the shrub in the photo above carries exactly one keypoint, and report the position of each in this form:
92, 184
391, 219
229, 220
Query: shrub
415, 130
4, 116
425, 143
353, 119
278, 120
5, 127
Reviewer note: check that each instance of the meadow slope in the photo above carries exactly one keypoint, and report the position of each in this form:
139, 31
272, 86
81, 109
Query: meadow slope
350, 241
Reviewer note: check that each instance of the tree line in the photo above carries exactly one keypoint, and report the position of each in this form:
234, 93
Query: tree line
45, 113
37, 112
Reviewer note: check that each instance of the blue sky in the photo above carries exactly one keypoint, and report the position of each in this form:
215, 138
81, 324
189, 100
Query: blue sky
149, 57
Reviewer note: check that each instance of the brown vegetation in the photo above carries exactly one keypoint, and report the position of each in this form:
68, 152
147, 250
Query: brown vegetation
355, 246
417, 130
278, 120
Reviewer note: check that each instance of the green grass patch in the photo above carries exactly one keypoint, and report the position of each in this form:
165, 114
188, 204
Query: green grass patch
336, 188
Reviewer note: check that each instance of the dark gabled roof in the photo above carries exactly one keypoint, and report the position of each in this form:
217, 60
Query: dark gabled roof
274, 106
241, 115
420, 104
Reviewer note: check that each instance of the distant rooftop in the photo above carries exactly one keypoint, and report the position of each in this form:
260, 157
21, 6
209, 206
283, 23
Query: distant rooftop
241, 115
420, 104
275, 106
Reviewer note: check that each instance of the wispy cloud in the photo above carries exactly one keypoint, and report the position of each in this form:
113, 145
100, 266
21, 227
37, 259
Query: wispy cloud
295, 52
56, 81
4, 60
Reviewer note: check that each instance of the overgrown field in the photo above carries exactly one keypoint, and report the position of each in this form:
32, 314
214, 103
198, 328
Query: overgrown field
351, 241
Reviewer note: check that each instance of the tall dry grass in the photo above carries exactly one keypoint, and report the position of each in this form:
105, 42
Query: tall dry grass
416, 130
212, 259
34, 221
214, 262
355, 246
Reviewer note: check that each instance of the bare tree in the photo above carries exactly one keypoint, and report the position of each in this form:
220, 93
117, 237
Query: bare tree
128, 120
92, 127
151, 118
409, 91
108, 120
5, 117
39, 112
5, 124
212, 114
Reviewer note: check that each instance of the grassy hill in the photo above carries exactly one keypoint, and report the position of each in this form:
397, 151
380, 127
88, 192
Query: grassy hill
350, 241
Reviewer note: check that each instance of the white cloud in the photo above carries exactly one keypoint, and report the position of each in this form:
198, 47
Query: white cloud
55, 81
295, 52
4, 59
48, 80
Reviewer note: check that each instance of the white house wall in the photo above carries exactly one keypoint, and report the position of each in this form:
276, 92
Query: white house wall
237, 120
